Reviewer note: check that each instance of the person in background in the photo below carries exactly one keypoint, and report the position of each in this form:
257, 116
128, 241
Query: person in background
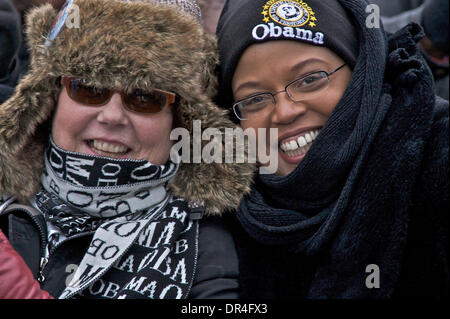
14, 55
25, 5
433, 15
211, 10
358, 208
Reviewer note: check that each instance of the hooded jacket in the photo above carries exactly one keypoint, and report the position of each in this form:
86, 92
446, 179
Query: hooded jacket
119, 45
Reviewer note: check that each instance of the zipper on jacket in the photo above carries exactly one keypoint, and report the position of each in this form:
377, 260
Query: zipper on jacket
197, 224
42, 265
43, 260
42, 235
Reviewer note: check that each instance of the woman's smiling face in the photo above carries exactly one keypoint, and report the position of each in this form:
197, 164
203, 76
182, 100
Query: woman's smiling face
269, 67
112, 130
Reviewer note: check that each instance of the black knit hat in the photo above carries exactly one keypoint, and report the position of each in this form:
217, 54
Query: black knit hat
246, 22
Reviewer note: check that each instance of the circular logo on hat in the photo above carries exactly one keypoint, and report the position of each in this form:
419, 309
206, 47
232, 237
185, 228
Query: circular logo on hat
292, 13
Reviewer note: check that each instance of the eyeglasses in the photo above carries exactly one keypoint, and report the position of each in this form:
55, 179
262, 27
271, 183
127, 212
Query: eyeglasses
140, 101
301, 89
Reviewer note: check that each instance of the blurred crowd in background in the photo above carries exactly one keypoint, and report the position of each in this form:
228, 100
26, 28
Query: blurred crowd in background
431, 14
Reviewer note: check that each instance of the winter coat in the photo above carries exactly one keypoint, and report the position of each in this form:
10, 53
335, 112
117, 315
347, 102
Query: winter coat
216, 267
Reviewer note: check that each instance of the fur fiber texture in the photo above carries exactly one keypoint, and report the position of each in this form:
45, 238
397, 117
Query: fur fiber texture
122, 46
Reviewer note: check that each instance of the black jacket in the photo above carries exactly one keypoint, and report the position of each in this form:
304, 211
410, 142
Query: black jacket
216, 270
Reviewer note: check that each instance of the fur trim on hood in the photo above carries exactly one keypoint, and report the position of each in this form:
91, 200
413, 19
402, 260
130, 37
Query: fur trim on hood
123, 46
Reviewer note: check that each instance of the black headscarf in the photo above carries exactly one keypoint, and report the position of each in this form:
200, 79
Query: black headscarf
311, 199
351, 193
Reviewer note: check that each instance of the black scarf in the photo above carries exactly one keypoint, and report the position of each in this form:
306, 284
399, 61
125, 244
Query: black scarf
347, 200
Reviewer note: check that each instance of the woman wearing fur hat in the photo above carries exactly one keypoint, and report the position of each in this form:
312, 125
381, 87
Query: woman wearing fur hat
94, 204
359, 205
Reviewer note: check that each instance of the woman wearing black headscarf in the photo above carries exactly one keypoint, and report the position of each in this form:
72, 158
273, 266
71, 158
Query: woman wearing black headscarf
358, 207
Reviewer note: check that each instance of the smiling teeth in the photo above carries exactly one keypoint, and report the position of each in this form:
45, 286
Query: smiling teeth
301, 145
109, 147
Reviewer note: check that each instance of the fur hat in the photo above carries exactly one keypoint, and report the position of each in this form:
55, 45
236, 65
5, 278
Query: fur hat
121, 45
188, 6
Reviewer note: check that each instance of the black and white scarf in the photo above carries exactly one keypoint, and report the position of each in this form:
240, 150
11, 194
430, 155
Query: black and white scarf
105, 187
121, 202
